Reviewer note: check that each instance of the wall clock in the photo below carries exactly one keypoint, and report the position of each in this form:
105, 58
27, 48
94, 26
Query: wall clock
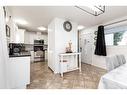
67, 26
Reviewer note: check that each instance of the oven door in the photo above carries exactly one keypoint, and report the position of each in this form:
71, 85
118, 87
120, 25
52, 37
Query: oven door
38, 56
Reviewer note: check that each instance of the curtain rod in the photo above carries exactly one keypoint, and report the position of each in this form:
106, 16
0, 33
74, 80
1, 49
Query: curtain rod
115, 22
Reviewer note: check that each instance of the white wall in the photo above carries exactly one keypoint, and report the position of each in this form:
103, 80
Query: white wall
60, 40
3, 51
11, 24
99, 61
51, 45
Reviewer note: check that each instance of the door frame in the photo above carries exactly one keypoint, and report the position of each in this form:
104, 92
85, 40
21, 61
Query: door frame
80, 45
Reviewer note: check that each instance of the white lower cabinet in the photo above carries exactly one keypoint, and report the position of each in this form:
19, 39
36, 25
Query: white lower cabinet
46, 55
19, 72
32, 56
64, 67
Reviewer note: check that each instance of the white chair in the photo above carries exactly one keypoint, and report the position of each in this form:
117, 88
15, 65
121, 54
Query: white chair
114, 62
110, 61
121, 59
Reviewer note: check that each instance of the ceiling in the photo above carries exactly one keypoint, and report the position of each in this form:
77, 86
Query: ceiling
42, 15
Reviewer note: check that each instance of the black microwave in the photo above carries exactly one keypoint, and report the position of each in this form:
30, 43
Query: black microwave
39, 42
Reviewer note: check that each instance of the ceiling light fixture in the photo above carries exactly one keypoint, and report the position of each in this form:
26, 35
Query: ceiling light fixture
42, 28
93, 10
80, 27
20, 21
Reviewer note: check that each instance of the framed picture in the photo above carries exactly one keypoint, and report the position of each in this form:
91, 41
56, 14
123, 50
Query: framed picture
7, 31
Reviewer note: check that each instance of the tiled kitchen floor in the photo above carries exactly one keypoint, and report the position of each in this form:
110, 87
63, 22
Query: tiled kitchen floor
43, 78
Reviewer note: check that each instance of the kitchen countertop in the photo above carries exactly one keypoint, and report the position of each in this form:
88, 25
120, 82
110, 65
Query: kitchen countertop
21, 55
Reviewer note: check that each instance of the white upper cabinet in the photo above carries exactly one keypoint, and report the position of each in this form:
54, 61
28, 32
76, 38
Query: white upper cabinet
29, 37
14, 28
39, 36
20, 36
17, 35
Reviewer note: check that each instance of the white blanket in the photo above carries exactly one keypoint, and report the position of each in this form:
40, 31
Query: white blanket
115, 79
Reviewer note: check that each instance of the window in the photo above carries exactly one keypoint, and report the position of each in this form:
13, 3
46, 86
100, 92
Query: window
109, 39
116, 36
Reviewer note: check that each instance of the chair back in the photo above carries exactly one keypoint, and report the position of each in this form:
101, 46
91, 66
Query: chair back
114, 62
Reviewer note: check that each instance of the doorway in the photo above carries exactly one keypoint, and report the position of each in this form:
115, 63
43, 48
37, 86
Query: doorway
86, 48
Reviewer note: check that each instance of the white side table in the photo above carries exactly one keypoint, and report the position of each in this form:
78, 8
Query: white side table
77, 59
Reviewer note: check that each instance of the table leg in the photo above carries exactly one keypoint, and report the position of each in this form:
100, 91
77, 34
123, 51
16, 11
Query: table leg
61, 68
80, 62
76, 60
61, 74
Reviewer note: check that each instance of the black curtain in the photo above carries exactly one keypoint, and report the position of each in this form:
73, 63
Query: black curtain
100, 48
